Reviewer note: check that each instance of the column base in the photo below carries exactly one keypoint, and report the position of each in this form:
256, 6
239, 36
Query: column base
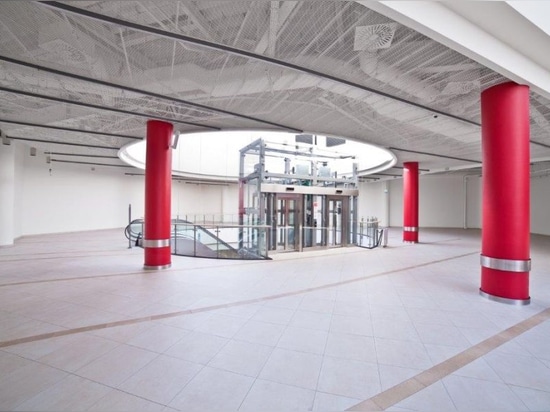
515, 302
159, 267
410, 241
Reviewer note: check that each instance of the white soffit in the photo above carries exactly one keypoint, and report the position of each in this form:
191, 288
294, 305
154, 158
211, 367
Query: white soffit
510, 44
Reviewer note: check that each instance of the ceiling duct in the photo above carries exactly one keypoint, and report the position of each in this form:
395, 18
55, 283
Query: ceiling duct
375, 37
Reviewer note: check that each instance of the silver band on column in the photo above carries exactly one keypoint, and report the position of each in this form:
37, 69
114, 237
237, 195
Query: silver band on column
507, 265
160, 267
154, 243
516, 302
410, 228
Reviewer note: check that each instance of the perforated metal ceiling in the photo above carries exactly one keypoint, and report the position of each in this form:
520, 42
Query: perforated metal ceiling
327, 67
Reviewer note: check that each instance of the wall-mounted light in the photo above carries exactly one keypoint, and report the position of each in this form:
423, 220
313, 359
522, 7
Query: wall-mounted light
5, 140
175, 138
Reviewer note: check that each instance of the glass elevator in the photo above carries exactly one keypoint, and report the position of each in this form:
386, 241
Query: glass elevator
304, 192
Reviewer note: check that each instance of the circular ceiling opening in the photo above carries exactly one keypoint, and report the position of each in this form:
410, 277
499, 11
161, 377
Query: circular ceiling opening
216, 155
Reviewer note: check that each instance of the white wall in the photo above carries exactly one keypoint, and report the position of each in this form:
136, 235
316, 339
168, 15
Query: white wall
75, 198
20, 152
442, 202
540, 205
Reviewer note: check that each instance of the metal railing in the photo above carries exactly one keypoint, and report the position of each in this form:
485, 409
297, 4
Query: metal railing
218, 241
371, 235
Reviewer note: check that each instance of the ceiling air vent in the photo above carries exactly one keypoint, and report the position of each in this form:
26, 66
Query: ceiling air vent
460, 87
375, 37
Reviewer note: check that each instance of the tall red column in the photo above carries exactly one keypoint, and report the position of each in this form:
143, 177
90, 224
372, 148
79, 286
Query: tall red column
410, 202
158, 193
505, 248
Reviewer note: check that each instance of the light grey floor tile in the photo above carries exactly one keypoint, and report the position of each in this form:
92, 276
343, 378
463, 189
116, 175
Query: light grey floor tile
351, 347
116, 366
407, 354
534, 399
328, 402
242, 357
349, 378
433, 398
260, 332
118, 401
197, 347
271, 396
162, 379
470, 394
311, 320
393, 375
352, 325
478, 369
303, 340
270, 314
23, 383
520, 370
213, 390
292, 368
221, 325
158, 338
70, 394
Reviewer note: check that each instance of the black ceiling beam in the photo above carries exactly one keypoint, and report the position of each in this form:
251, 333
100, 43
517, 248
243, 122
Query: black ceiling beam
539, 144
88, 163
63, 143
216, 46
435, 155
145, 93
70, 129
80, 155
385, 174
95, 106
401, 167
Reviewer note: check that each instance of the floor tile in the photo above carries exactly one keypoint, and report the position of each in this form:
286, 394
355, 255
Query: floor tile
292, 368
260, 332
213, 390
303, 340
242, 357
197, 347
395, 330
70, 394
470, 394
78, 351
158, 338
118, 401
534, 399
116, 366
352, 325
434, 398
162, 379
520, 370
328, 402
24, 383
393, 375
273, 315
346, 346
349, 378
407, 354
311, 320
271, 396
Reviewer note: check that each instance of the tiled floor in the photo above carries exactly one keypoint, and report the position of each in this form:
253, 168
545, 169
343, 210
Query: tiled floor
83, 327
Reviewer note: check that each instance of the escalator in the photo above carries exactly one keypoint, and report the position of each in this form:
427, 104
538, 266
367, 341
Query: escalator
189, 239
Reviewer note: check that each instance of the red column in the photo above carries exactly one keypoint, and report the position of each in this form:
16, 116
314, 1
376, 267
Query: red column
505, 251
158, 192
410, 202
